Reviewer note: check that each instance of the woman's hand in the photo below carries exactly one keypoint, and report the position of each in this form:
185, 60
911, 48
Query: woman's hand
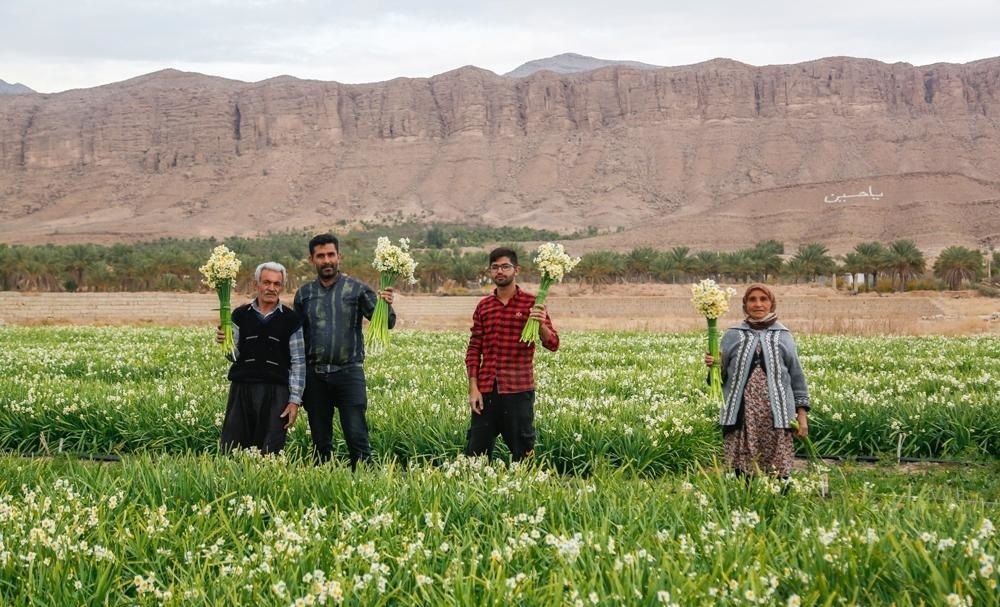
803, 430
709, 360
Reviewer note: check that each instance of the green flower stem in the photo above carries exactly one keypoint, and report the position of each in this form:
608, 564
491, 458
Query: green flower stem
715, 371
531, 333
226, 317
810, 448
377, 336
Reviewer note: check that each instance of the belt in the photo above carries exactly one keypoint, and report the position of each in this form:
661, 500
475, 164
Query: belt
334, 368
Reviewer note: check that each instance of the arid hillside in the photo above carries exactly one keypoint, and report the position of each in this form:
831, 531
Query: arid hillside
715, 155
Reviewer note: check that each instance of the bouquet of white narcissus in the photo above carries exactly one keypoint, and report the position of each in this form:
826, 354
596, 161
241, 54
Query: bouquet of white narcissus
553, 264
220, 274
391, 261
712, 301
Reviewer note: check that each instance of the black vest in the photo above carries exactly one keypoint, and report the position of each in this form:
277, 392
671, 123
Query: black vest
264, 354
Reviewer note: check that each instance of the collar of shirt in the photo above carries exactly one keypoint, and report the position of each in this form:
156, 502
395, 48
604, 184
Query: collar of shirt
277, 308
518, 293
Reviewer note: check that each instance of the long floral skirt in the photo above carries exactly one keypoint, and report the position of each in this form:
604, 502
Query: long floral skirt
758, 445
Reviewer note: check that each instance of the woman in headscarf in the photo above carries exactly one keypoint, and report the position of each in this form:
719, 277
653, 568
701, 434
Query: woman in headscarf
764, 389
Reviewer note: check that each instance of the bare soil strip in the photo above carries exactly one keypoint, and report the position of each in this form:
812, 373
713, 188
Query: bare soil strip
619, 307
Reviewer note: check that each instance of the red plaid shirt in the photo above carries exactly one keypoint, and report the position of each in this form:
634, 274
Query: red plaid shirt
496, 352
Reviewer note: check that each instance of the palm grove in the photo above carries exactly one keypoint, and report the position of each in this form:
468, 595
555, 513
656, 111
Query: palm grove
451, 258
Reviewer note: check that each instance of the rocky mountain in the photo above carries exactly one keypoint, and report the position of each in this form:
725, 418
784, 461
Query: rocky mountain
571, 63
17, 88
716, 155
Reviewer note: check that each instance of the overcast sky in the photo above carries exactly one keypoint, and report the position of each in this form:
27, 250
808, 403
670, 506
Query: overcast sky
54, 45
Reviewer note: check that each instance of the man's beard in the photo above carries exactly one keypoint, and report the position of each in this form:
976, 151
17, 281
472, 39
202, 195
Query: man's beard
328, 271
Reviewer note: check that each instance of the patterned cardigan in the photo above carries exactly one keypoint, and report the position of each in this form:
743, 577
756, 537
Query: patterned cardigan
786, 383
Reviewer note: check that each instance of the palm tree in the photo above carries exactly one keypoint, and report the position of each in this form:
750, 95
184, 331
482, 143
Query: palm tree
906, 261
956, 264
729, 264
796, 269
639, 263
101, 276
677, 259
435, 237
300, 271
663, 269
853, 265
768, 254
468, 268
5, 257
706, 264
600, 267
740, 265
872, 258
812, 260
434, 267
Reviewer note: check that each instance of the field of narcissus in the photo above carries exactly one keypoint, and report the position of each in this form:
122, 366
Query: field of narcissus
631, 399
244, 530
624, 503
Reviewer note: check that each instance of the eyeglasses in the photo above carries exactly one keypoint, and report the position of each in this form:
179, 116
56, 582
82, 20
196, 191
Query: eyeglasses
506, 267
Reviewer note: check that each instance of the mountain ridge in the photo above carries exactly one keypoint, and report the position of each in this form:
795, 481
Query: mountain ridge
571, 63
663, 156
15, 88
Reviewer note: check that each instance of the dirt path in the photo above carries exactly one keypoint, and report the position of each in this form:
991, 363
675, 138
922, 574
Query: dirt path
639, 307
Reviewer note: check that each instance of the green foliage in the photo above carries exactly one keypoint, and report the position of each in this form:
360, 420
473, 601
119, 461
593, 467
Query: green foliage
245, 530
868, 258
172, 265
644, 512
639, 263
633, 399
906, 261
957, 264
811, 261
600, 267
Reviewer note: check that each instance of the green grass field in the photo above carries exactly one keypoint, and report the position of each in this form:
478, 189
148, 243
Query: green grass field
624, 503
632, 399
208, 530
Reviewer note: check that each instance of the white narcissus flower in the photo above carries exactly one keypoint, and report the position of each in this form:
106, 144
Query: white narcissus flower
553, 261
711, 300
553, 264
392, 262
395, 259
957, 600
222, 265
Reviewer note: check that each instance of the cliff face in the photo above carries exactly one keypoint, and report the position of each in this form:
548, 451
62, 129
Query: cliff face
673, 153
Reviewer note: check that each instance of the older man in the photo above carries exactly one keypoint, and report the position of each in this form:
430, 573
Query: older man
268, 374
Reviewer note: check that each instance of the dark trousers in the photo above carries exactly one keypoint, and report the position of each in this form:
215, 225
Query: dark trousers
253, 417
346, 391
511, 416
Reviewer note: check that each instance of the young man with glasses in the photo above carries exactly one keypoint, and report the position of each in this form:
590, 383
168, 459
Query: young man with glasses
500, 366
